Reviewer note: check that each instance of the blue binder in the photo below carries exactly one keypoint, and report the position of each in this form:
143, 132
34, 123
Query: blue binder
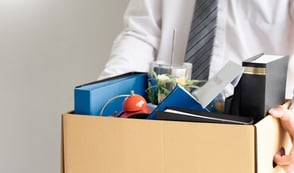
90, 98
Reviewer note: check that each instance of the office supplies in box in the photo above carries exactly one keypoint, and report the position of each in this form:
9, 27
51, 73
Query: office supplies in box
89, 99
200, 99
261, 86
178, 97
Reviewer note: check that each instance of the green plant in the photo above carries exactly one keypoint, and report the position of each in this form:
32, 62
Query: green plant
160, 85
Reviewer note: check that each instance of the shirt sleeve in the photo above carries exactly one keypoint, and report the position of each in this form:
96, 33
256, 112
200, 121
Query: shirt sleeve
292, 10
137, 45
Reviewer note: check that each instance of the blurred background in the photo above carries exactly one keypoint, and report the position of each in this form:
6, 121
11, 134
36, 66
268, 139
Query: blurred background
47, 47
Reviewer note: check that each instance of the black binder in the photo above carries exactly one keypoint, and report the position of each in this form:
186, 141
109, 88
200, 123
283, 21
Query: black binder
261, 86
189, 115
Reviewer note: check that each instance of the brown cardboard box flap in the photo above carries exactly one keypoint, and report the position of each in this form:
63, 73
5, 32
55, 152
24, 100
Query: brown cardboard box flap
270, 137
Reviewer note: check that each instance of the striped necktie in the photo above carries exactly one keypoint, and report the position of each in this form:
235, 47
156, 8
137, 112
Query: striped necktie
201, 38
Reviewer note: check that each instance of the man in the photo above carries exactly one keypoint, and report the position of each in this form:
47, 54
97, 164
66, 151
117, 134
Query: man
244, 29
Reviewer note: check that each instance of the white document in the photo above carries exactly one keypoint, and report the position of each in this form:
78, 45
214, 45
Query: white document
217, 83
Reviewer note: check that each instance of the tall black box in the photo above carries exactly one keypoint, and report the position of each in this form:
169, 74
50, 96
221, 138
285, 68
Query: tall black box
261, 86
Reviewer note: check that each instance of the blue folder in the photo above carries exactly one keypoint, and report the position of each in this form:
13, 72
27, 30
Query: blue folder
178, 97
90, 98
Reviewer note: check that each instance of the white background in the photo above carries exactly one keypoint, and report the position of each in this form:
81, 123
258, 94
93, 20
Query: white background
47, 47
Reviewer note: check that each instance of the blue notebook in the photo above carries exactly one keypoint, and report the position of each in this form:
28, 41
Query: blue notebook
178, 97
90, 98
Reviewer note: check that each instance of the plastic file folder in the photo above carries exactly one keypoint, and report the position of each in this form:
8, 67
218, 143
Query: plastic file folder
90, 98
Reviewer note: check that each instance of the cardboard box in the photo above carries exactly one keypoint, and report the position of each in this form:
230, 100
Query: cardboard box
94, 144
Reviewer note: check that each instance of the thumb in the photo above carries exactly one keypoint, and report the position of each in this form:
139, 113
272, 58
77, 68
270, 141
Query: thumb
286, 118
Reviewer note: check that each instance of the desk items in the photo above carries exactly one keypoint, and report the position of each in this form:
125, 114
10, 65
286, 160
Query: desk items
90, 98
200, 98
179, 97
261, 86
256, 92
134, 105
192, 115
164, 77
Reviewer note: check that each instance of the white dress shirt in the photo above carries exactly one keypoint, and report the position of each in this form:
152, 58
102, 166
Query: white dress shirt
244, 28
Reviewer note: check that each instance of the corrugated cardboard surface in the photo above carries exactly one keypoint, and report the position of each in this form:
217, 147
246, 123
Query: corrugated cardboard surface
269, 139
111, 145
